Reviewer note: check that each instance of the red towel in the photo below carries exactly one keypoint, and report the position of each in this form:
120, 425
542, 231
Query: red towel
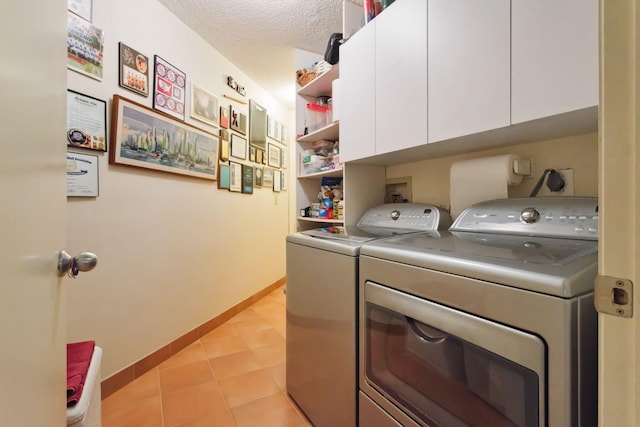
78, 358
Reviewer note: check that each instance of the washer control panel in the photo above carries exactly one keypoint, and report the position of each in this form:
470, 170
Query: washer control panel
565, 217
406, 216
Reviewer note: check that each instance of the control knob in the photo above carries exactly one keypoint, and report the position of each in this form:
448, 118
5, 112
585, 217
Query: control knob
529, 215
395, 214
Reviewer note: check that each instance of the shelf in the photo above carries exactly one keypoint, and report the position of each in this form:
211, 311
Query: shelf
329, 133
321, 85
330, 172
326, 221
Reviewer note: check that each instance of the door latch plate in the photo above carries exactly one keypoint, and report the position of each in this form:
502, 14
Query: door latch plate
614, 295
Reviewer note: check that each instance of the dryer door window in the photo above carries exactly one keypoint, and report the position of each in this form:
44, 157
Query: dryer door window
445, 367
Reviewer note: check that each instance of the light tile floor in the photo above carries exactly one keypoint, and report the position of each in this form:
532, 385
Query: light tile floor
232, 377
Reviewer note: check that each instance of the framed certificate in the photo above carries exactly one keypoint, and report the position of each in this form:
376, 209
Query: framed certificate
82, 175
86, 121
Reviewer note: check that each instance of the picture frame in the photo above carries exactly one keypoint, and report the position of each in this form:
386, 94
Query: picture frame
257, 125
205, 106
237, 121
284, 154
283, 180
252, 154
169, 88
224, 117
224, 145
235, 177
238, 147
264, 157
223, 177
276, 130
178, 147
274, 156
259, 156
258, 177
271, 128
247, 179
283, 134
277, 181
82, 175
134, 70
267, 177
86, 121
85, 47
82, 8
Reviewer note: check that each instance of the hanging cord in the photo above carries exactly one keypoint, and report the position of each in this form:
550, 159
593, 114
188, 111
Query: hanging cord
555, 182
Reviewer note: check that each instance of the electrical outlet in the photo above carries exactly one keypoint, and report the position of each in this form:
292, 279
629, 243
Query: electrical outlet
567, 175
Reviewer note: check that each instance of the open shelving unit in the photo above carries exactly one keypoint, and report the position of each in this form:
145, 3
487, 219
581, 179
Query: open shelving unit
308, 185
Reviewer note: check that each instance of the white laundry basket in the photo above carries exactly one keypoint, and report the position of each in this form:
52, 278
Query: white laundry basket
87, 412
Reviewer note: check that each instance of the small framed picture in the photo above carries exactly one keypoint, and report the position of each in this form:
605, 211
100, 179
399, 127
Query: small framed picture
252, 153
224, 145
134, 70
267, 177
237, 121
271, 128
259, 156
235, 177
258, 176
223, 177
274, 156
277, 181
224, 117
205, 106
238, 147
169, 89
82, 8
247, 179
82, 175
285, 158
86, 121
283, 180
85, 47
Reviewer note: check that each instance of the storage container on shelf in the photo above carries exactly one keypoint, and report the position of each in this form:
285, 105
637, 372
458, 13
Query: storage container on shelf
316, 117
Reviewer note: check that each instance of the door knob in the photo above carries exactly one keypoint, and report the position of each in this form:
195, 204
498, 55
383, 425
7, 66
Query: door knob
84, 261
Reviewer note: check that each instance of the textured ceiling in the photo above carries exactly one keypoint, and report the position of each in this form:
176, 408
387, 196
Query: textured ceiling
260, 36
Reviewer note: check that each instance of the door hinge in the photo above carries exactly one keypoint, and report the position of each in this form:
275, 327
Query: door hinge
613, 295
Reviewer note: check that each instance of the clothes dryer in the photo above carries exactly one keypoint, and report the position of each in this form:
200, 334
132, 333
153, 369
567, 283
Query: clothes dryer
490, 324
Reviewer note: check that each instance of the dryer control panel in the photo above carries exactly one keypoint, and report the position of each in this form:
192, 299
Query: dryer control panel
406, 216
563, 217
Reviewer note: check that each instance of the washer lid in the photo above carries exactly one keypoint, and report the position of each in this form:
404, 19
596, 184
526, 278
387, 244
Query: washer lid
560, 267
346, 240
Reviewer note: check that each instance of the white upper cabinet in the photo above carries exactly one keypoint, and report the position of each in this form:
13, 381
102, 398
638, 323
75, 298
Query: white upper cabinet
469, 67
554, 57
357, 95
401, 76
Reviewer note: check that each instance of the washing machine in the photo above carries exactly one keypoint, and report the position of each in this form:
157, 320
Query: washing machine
489, 324
322, 278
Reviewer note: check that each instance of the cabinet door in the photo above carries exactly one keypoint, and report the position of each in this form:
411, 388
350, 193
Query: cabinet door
401, 76
357, 96
554, 57
469, 69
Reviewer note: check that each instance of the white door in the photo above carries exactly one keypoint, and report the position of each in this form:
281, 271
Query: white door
619, 400
33, 214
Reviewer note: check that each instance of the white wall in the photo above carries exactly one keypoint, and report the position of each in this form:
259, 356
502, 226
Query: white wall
430, 178
173, 251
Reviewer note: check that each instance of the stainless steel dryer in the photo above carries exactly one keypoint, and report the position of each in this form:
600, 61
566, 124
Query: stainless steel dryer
322, 280
492, 324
